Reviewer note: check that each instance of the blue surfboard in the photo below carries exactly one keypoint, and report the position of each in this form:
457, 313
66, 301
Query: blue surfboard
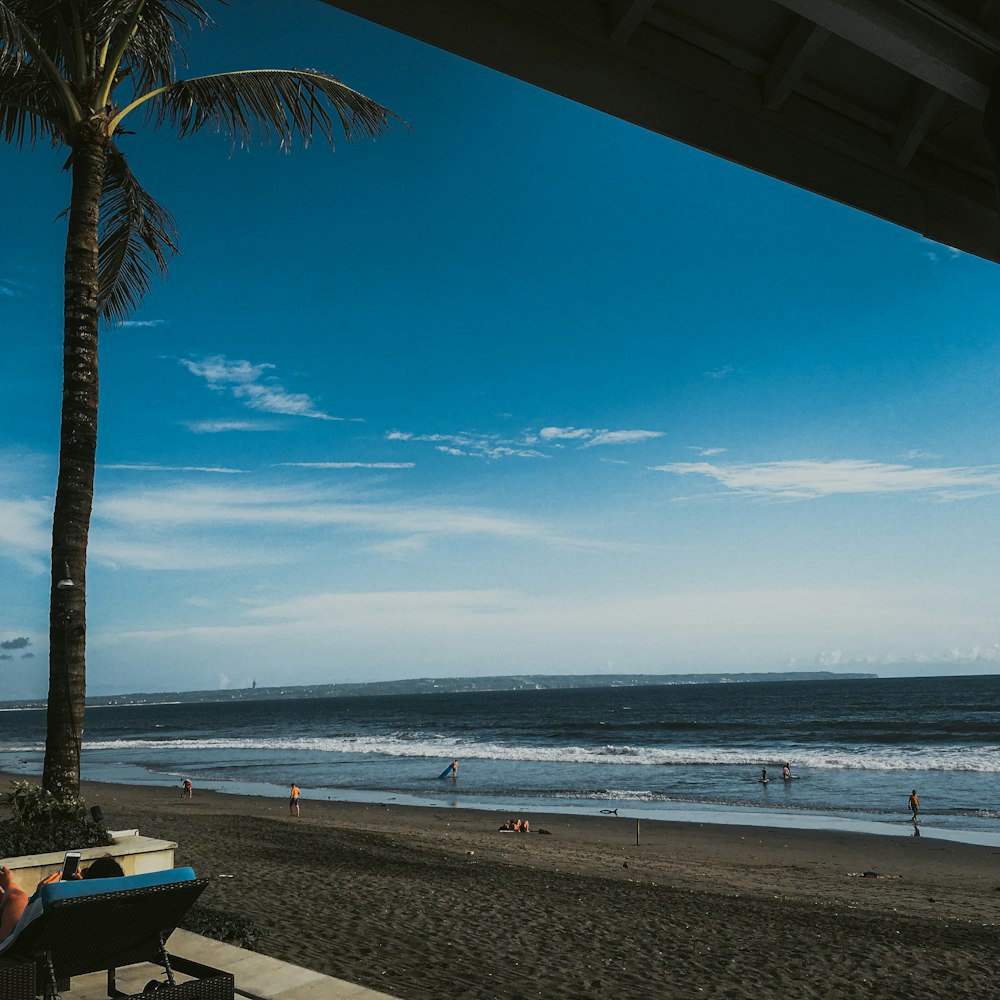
445, 772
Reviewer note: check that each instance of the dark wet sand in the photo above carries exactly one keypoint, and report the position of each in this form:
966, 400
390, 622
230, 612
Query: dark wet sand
437, 903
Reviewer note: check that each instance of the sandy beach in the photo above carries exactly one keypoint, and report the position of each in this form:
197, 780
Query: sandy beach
423, 903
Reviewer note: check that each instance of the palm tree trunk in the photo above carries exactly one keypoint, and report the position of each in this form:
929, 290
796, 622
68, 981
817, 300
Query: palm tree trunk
75, 488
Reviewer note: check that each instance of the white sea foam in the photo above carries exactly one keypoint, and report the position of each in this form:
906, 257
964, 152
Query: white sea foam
410, 744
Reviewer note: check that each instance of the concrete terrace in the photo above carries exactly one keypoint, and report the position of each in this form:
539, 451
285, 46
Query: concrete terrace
257, 976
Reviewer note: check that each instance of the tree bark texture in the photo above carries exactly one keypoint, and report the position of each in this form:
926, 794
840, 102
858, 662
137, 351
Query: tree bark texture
75, 487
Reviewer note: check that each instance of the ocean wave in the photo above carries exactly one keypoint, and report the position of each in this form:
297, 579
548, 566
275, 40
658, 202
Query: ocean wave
986, 813
407, 743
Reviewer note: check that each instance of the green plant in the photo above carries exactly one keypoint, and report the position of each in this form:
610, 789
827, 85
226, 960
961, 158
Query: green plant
34, 805
42, 823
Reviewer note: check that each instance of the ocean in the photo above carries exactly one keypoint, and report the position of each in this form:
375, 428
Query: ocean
693, 752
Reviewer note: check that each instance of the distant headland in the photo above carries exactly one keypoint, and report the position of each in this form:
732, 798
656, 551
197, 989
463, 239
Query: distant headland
449, 685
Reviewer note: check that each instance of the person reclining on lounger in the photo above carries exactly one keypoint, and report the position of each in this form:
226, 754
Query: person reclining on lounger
14, 899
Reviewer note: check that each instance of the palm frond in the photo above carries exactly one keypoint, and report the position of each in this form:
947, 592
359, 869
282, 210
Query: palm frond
154, 45
12, 37
269, 104
27, 26
28, 106
138, 237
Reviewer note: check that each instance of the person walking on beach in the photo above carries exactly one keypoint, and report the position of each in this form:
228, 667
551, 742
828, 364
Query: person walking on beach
914, 803
187, 788
293, 800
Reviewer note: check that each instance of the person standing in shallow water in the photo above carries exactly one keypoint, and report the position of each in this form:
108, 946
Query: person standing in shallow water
293, 799
914, 803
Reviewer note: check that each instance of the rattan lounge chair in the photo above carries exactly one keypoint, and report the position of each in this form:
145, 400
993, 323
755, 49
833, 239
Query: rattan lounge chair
74, 928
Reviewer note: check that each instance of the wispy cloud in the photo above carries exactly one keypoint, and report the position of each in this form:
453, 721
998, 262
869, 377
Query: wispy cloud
528, 445
225, 426
810, 479
621, 437
11, 288
348, 465
724, 372
139, 527
24, 532
916, 453
142, 323
708, 452
470, 445
114, 547
566, 433
401, 548
936, 252
590, 438
641, 627
137, 467
251, 385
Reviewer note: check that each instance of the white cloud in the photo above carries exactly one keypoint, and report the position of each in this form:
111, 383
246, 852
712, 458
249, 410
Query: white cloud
565, 433
621, 437
809, 479
349, 465
401, 548
709, 452
251, 385
592, 438
25, 527
306, 507
142, 323
223, 426
202, 526
939, 251
722, 372
477, 631
173, 468
469, 445
116, 549
493, 446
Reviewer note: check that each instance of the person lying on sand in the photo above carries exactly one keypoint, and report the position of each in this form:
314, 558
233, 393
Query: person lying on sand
517, 826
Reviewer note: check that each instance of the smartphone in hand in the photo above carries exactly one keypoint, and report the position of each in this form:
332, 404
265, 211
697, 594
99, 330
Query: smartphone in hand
70, 864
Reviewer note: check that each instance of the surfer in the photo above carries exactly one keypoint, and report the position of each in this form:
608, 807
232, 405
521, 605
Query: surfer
763, 775
786, 773
914, 803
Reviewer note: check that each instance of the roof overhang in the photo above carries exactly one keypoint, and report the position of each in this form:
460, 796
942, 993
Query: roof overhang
877, 104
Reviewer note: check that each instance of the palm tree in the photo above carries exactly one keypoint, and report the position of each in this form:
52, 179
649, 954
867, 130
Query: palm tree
63, 65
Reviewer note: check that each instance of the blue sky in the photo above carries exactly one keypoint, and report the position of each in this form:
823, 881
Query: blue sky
520, 389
